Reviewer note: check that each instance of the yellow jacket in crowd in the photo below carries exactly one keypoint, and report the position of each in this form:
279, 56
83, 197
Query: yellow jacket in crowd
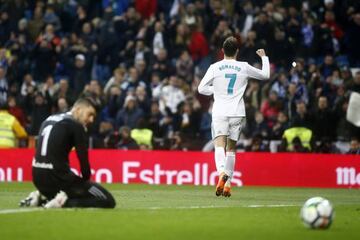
10, 130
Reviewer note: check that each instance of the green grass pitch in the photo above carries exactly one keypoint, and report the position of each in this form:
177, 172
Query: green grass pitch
181, 212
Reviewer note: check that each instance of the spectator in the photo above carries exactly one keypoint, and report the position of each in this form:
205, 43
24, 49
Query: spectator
290, 101
259, 127
50, 17
355, 84
329, 22
280, 85
143, 100
184, 66
158, 41
281, 51
155, 119
62, 105
44, 53
101, 139
142, 52
198, 45
115, 99
130, 114
270, 108
181, 40
161, 64
4, 59
3, 85
64, 91
308, 37
264, 29
280, 126
205, 125
48, 87
328, 66
250, 46
354, 146
36, 24
171, 95
11, 129
142, 70
41, 110
302, 117
93, 90
257, 144
28, 84
343, 127
156, 85
253, 94
117, 79
80, 74
142, 135
353, 48
176, 142
16, 111
133, 81
188, 120
5, 27
82, 17
126, 142
324, 122
298, 139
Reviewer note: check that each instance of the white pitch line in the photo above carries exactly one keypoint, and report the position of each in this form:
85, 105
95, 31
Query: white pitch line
26, 210
271, 206
20, 210
183, 207
212, 206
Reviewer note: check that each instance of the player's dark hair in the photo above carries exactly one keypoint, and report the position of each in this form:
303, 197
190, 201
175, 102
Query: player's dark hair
85, 102
230, 46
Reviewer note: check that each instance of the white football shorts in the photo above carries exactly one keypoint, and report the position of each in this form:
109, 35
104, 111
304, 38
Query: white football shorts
227, 126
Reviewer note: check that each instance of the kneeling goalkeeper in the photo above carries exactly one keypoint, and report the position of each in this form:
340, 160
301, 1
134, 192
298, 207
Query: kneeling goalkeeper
52, 176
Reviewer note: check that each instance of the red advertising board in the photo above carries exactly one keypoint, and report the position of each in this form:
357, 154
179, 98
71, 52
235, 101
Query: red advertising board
198, 168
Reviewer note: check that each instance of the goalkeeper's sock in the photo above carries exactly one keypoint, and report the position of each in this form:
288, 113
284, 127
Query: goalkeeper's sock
230, 164
220, 159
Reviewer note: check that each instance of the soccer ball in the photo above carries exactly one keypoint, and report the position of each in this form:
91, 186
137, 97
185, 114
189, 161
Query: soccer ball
317, 212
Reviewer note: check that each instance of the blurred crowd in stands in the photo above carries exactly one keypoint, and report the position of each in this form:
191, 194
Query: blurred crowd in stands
142, 60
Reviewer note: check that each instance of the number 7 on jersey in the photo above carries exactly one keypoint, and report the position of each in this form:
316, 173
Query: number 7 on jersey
232, 78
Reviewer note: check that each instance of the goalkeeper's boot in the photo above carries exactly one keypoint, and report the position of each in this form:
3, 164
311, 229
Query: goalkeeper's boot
58, 201
227, 188
35, 199
220, 186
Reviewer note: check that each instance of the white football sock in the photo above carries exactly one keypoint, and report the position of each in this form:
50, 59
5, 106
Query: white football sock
220, 159
229, 164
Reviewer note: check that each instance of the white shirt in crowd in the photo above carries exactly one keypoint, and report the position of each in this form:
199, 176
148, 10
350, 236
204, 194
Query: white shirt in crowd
227, 80
171, 97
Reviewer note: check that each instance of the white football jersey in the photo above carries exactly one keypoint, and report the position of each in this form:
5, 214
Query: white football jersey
227, 80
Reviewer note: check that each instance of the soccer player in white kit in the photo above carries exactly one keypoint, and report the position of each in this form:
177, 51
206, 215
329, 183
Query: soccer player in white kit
227, 80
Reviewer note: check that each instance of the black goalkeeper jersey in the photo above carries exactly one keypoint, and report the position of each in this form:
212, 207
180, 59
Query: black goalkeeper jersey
58, 135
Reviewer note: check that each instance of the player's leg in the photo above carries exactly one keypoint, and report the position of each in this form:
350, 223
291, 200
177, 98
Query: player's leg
220, 145
83, 195
45, 189
34, 199
235, 127
96, 196
229, 165
220, 132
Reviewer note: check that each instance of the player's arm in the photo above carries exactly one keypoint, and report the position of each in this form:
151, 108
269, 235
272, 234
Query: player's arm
261, 74
81, 147
205, 87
